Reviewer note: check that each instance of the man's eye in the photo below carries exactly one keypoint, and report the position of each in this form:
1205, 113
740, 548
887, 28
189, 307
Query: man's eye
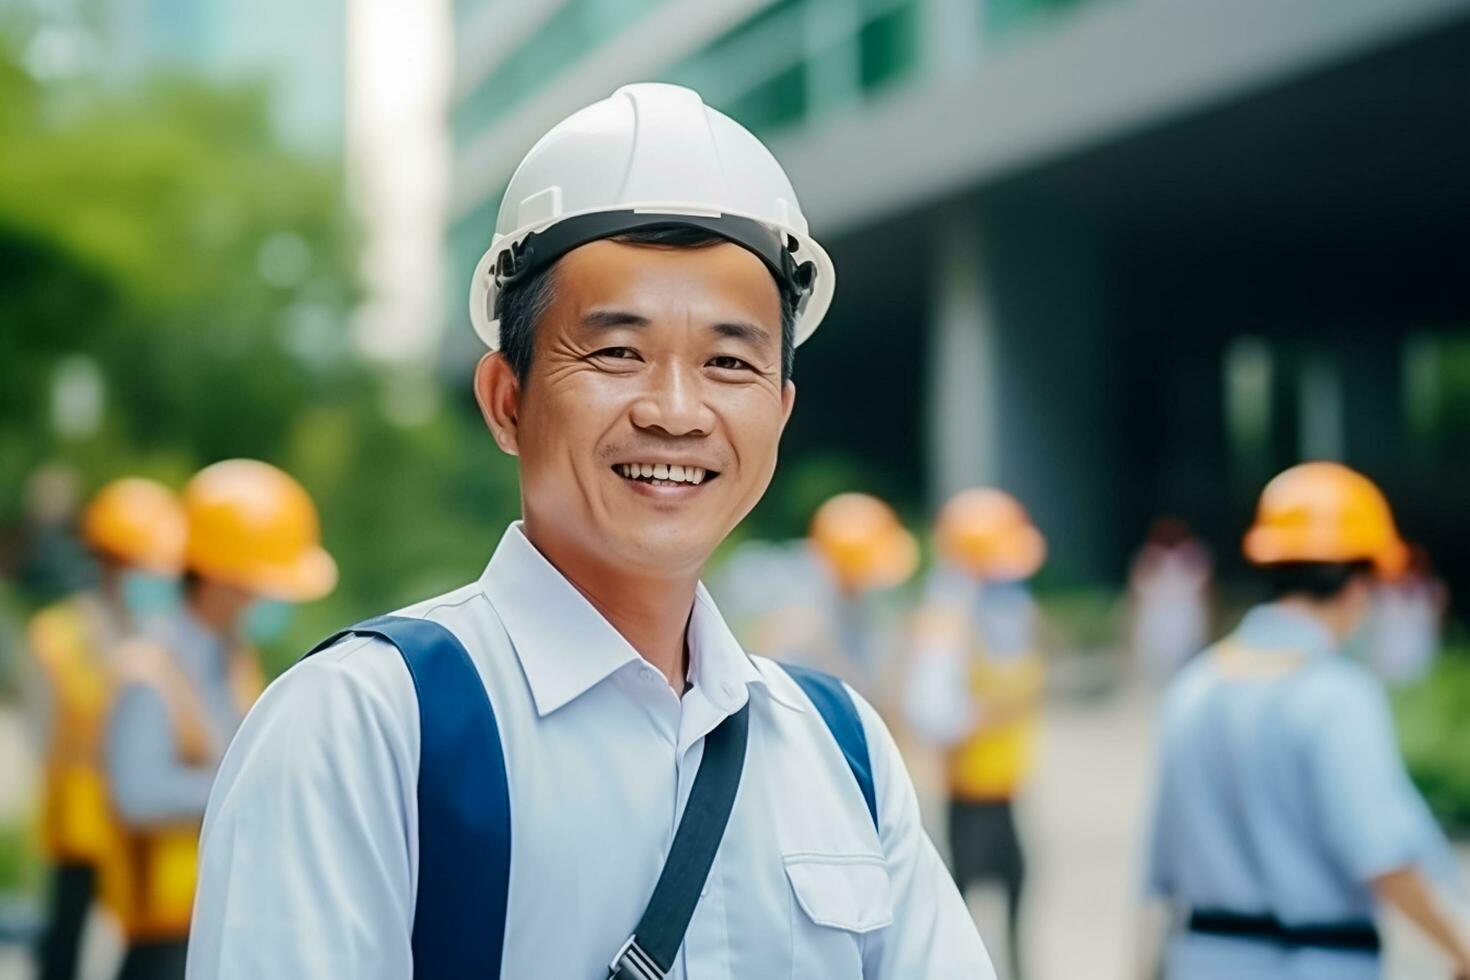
619, 353
728, 362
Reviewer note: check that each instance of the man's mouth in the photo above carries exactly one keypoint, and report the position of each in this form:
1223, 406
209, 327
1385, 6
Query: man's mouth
665, 474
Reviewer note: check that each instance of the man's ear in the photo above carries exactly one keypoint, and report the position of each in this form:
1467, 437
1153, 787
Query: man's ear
788, 401
498, 392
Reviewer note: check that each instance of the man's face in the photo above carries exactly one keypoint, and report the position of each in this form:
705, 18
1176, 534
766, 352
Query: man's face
648, 426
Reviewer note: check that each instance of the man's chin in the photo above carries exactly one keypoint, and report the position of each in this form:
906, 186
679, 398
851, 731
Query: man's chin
661, 547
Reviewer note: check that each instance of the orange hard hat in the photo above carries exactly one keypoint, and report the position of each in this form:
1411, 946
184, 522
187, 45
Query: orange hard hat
988, 533
863, 542
137, 522
252, 526
1325, 512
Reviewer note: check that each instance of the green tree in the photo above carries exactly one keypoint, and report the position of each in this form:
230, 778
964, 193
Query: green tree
163, 234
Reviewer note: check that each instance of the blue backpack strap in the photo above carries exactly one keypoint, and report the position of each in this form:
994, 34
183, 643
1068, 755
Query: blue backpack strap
463, 804
840, 713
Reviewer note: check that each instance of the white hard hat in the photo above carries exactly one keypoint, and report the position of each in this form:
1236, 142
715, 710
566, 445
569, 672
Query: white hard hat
650, 154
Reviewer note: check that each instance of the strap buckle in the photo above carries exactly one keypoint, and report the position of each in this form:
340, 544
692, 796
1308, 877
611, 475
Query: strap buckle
632, 963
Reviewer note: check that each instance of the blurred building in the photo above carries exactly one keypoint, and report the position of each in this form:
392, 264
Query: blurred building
1122, 257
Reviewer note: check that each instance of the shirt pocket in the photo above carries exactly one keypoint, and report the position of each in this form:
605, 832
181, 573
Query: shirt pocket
836, 900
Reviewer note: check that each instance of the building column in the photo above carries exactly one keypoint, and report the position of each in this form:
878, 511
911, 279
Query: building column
963, 385
1023, 388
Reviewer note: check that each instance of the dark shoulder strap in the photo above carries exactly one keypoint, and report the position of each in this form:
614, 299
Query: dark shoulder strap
840, 713
649, 953
463, 804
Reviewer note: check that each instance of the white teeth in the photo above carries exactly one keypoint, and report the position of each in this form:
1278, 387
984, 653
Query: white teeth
671, 473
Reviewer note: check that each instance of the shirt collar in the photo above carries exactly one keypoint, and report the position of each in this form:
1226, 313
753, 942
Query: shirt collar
718, 665
1273, 626
566, 646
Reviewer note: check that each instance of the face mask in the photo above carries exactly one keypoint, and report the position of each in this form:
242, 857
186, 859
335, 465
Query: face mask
148, 596
266, 620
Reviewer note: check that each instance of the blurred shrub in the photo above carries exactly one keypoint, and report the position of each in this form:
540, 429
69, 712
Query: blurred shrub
1082, 620
162, 237
1434, 731
20, 861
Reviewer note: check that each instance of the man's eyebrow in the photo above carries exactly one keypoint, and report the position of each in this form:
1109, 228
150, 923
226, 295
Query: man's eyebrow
748, 332
607, 319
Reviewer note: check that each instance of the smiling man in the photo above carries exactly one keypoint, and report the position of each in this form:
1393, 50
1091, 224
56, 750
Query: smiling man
569, 767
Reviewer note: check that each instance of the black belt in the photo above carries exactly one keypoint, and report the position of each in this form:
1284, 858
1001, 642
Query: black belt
1352, 936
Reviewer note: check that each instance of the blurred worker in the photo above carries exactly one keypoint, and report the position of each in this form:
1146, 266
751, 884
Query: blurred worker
976, 684
1284, 818
536, 774
1169, 593
253, 549
50, 561
135, 529
1406, 623
861, 550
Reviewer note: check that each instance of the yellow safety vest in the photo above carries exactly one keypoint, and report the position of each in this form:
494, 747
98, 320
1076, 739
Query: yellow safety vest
993, 762
68, 641
149, 876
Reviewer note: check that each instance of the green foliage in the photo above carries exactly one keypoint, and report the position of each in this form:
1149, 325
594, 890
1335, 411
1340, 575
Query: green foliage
1084, 619
20, 861
409, 511
163, 235
1434, 731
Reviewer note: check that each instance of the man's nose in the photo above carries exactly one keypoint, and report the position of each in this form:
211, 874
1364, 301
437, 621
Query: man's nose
673, 404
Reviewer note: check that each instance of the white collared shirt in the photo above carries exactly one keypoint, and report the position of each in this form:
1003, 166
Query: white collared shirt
309, 856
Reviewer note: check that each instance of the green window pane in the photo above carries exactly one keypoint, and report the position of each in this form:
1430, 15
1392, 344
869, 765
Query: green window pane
772, 104
1001, 17
567, 37
888, 47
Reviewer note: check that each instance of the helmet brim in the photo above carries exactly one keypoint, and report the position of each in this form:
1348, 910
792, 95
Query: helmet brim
811, 310
312, 575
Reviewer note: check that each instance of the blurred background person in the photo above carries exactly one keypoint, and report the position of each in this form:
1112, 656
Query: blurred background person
135, 531
975, 687
1168, 598
48, 559
253, 550
1406, 622
1285, 821
838, 620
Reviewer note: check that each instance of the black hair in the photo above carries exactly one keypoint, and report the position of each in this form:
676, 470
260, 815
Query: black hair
1315, 580
526, 300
